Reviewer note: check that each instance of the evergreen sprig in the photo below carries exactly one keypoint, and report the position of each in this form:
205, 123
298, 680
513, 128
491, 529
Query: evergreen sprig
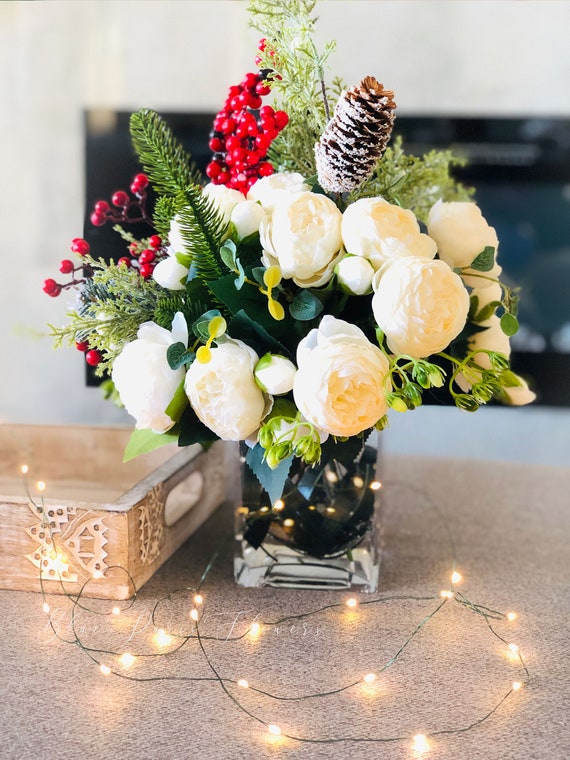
203, 230
298, 79
164, 212
414, 182
164, 160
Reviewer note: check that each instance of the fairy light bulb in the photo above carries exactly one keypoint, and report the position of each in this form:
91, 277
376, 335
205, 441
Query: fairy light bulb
243, 683
273, 729
161, 638
116, 610
41, 486
420, 743
517, 685
279, 505
105, 669
376, 485
511, 616
352, 603
198, 599
357, 481
446, 594
514, 648
194, 615
289, 522
369, 677
255, 629
97, 574
456, 577
24, 469
45, 607
127, 659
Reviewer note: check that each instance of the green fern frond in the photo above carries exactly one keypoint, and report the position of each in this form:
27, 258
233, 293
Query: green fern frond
203, 230
164, 160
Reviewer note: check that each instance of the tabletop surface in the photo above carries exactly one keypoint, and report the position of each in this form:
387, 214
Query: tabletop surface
506, 529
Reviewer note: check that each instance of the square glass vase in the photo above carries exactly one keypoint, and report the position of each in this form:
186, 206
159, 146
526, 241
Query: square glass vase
323, 533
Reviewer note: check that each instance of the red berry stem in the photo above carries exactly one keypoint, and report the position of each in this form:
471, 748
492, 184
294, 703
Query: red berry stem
125, 206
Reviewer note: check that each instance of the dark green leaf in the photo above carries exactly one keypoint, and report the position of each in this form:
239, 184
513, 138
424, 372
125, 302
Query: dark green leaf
228, 254
272, 481
200, 326
192, 430
485, 260
305, 306
473, 306
243, 327
487, 311
509, 324
250, 300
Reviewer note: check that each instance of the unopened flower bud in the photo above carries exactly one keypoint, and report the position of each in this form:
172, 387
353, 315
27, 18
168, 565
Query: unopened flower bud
274, 374
354, 274
466, 402
396, 403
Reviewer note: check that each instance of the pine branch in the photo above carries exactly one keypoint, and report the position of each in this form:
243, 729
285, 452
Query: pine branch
164, 160
203, 230
414, 182
165, 210
299, 86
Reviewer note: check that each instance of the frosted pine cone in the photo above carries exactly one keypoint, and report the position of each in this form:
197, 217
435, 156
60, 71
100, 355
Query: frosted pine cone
355, 137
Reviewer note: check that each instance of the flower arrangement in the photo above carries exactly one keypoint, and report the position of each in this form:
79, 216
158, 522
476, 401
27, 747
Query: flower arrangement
317, 278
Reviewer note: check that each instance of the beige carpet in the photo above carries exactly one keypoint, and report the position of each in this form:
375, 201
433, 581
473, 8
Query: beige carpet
510, 526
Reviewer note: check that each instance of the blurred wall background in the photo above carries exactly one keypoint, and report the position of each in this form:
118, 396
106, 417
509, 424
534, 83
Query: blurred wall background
457, 57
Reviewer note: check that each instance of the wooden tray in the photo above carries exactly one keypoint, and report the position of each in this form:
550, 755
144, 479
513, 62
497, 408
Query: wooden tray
98, 517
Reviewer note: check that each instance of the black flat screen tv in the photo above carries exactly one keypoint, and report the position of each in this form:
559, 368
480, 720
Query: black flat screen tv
519, 166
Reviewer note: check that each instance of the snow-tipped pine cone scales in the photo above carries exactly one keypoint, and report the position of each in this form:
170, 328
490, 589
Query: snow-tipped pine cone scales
355, 137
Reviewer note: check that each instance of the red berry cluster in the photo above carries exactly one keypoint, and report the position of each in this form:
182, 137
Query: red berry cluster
243, 131
144, 255
124, 205
66, 266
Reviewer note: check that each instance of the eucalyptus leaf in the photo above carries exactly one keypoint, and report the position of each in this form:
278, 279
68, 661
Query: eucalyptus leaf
485, 260
305, 306
228, 254
177, 355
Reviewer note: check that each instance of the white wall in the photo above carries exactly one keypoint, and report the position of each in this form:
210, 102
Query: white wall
57, 58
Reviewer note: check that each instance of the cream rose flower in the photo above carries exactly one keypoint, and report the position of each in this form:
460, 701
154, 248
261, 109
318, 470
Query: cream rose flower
302, 236
420, 305
341, 382
246, 217
461, 232
223, 392
381, 232
224, 198
142, 375
269, 191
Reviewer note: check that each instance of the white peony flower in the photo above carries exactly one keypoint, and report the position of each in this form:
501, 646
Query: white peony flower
269, 191
170, 273
275, 374
340, 385
224, 198
420, 305
223, 392
519, 395
461, 233
302, 236
246, 217
355, 274
143, 378
381, 232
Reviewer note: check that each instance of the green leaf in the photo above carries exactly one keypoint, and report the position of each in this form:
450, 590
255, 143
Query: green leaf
509, 324
305, 306
143, 441
177, 355
243, 327
200, 326
273, 481
178, 403
249, 300
485, 260
192, 430
473, 306
487, 311
184, 259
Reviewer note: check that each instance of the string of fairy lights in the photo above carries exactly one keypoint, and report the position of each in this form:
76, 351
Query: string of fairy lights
169, 642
